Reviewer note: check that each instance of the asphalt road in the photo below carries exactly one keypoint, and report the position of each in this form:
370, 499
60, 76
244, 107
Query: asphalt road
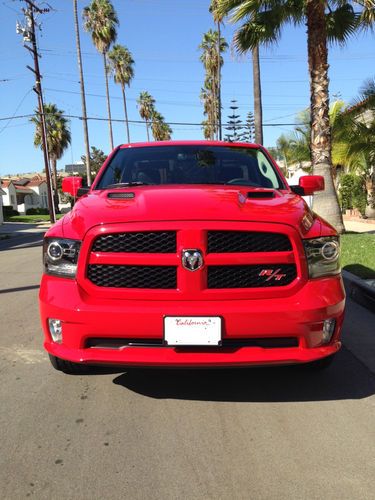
280, 433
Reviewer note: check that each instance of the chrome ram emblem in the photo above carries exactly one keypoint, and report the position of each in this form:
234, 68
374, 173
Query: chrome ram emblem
192, 259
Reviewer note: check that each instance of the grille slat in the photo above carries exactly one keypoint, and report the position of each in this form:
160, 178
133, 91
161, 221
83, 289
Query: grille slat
246, 241
249, 276
155, 277
137, 242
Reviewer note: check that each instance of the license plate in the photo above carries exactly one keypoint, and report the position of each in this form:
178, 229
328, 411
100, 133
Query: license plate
192, 330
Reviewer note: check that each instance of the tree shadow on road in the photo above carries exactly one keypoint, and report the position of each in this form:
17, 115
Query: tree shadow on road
22, 240
346, 378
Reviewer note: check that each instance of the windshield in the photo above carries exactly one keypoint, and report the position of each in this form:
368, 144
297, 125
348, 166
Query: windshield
190, 165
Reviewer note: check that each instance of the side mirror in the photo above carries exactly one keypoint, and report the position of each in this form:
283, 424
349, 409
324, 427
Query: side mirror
308, 185
72, 185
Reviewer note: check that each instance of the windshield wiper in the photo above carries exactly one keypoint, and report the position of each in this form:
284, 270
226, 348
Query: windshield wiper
126, 184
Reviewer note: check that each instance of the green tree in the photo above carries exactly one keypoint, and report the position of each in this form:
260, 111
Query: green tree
100, 19
212, 47
355, 137
122, 67
97, 158
58, 135
218, 18
146, 108
161, 131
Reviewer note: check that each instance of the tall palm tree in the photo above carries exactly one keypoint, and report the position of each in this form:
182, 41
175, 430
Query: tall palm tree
58, 137
326, 20
239, 11
122, 67
212, 47
218, 18
146, 108
83, 96
100, 19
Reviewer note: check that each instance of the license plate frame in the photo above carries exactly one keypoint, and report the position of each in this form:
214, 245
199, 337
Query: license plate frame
185, 331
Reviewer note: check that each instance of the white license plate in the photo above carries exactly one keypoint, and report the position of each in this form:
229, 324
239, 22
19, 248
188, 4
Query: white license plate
192, 330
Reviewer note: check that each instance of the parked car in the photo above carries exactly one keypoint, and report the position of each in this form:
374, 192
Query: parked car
191, 254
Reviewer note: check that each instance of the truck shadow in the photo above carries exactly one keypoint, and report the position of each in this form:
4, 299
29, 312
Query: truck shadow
346, 378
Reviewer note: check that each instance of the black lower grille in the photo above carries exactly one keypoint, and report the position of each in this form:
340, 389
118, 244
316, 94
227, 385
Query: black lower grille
137, 242
262, 276
234, 343
156, 277
246, 241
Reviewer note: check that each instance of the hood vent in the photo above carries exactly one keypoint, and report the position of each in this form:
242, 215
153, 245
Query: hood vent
260, 194
121, 196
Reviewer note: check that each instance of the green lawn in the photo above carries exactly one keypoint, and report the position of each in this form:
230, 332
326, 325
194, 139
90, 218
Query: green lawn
32, 219
358, 254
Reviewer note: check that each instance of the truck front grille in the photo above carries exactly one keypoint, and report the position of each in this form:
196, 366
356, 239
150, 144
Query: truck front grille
155, 277
150, 256
246, 241
137, 242
251, 276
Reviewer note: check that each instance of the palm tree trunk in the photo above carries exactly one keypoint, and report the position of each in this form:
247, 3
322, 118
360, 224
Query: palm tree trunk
219, 80
108, 101
83, 97
54, 182
126, 112
148, 133
54, 171
257, 89
325, 203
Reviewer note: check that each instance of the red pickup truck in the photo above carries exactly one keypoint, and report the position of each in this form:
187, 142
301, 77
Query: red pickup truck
191, 254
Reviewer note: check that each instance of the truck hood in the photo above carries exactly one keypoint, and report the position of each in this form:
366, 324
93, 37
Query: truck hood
184, 203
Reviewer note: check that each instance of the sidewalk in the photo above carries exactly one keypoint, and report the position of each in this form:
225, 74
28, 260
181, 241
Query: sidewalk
360, 226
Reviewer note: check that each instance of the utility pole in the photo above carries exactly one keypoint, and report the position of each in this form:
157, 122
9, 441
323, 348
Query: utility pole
83, 98
28, 33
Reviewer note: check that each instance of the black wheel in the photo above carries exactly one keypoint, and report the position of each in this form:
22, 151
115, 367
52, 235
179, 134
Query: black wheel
321, 364
68, 367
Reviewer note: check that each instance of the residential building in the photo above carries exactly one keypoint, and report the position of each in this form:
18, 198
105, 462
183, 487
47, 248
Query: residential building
25, 193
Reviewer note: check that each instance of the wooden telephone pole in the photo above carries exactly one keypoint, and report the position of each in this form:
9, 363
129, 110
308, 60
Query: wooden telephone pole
28, 33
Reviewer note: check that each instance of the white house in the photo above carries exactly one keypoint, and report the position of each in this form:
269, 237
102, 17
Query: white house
22, 194
10, 196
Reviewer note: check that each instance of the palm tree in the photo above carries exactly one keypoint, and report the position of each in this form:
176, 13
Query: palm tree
122, 67
83, 97
355, 140
161, 131
146, 108
241, 42
212, 47
218, 18
58, 136
101, 21
326, 20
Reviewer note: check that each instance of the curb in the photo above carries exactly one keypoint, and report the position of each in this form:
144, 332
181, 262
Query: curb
358, 290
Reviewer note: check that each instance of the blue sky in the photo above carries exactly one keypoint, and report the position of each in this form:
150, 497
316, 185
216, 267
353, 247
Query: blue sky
163, 36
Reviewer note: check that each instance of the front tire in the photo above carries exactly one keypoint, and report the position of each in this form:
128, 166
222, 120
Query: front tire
68, 367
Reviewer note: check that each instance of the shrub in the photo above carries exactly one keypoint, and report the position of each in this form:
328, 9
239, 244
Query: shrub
8, 211
352, 193
37, 211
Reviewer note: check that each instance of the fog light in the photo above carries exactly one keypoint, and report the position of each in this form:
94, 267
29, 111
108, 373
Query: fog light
55, 329
329, 326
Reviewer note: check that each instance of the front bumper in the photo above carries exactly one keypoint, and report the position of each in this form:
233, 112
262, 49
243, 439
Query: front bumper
299, 316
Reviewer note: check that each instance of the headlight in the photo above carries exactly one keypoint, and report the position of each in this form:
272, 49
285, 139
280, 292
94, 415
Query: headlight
60, 256
323, 256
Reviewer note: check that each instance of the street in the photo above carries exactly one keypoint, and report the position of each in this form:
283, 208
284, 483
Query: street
262, 433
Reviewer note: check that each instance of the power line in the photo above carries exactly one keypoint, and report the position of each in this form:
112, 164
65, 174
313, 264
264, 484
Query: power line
121, 120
